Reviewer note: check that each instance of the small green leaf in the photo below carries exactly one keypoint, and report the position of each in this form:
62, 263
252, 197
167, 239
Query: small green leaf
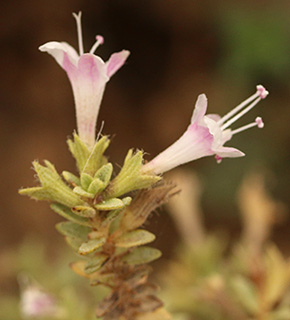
96, 186
74, 242
127, 201
91, 245
71, 178
245, 293
105, 173
51, 167
107, 279
82, 193
131, 177
115, 213
83, 211
95, 263
86, 180
73, 230
37, 193
96, 158
69, 215
111, 204
142, 255
79, 150
134, 238
53, 187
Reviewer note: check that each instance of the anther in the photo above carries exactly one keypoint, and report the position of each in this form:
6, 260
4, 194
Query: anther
100, 40
262, 91
259, 122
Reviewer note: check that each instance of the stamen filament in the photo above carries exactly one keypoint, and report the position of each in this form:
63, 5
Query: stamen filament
243, 128
79, 30
238, 108
258, 123
239, 115
100, 40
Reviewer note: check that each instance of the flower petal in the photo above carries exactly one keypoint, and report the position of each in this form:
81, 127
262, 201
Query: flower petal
92, 68
215, 130
229, 152
226, 135
57, 50
195, 143
200, 108
214, 116
116, 61
88, 80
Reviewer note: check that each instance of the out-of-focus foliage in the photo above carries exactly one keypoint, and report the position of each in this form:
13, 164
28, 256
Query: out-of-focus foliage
211, 277
51, 274
217, 279
256, 45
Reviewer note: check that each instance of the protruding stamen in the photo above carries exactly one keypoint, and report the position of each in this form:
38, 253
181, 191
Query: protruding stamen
238, 108
79, 30
239, 115
262, 91
258, 123
100, 40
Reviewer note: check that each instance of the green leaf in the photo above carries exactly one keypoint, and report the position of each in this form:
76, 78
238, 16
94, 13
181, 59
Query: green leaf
245, 293
84, 211
111, 204
131, 177
96, 186
95, 263
127, 201
134, 238
96, 158
86, 180
115, 213
37, 193
105, 173
107, 279
71, 178
79, 151
142, 255
53, 187
73, 230
69, 215
91, 245
82, 193
74, 242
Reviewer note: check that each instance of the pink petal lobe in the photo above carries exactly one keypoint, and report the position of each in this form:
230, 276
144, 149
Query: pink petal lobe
57, 51
214, 116
116, 61
200, 108
229, 152
92, 68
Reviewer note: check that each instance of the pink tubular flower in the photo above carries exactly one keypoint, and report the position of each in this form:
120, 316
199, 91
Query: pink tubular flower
88, 75
206, 135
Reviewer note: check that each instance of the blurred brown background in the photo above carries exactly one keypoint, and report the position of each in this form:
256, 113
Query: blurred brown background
179, 49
